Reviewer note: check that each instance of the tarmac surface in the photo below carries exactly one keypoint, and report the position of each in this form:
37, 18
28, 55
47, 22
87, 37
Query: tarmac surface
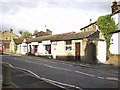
21, 80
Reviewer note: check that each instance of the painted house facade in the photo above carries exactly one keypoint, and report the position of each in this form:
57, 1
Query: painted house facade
13, 45
115, 39
22, 47
83, 46
115, 43
18, 46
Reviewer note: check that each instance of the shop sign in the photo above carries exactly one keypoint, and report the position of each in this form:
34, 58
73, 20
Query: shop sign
34, 43
54, 43
46, 42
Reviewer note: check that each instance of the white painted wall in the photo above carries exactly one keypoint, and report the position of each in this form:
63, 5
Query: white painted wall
18, 49
115, 42
41, 48
23, 48
115, 39
53, 52
115, 17
101, 54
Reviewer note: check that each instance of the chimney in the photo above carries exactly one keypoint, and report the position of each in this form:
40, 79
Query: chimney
114, 3
90, 21
11, 30
114, 6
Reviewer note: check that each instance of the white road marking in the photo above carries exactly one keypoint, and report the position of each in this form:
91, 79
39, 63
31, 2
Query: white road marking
112, 78
47, 80
57, 67
26, 70
59, 83
99, 77
85, 74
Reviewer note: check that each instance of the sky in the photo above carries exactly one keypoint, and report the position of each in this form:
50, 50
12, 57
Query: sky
60, 16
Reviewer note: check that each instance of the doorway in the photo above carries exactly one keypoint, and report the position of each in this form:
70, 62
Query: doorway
77, 51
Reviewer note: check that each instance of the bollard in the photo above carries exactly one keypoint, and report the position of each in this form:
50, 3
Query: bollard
6, 74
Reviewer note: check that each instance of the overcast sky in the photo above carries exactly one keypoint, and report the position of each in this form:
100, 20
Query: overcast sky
60, 16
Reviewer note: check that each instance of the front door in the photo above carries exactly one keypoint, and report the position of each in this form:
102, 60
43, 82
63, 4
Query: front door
30, 49
77, 51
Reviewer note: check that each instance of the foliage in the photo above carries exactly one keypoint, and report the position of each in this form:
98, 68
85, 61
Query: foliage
107, 24
25, 34
35, 32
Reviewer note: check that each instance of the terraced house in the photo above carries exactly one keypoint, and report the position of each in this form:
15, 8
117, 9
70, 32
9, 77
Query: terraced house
84, 46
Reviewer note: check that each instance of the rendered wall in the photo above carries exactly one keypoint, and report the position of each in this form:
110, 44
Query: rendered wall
101, 51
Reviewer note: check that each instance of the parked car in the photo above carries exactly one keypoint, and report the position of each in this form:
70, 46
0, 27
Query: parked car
1, 49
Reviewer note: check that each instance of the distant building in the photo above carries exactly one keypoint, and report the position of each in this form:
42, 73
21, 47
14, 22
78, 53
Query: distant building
13, 44
42, 33
6, 37
18, 46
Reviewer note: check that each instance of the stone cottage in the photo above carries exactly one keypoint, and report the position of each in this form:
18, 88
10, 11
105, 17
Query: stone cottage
84, 46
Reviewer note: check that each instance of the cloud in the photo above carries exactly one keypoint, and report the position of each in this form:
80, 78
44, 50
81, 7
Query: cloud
64, 16
14, 7
88, 6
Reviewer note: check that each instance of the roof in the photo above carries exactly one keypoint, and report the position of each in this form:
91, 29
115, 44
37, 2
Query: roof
88, 25
114, 32
66, 36
5, 41
18, 41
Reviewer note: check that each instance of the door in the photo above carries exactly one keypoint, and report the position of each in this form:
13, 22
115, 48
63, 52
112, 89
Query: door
30, 49
77, 51
54, 51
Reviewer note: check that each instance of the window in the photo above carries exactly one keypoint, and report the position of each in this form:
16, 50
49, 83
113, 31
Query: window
35, 48
69, 42
48, 48
24, 48
69, 45
68, 48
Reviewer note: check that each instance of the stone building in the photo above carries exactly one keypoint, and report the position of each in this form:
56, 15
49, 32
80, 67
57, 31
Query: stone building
42, 33
85, 46
6, 37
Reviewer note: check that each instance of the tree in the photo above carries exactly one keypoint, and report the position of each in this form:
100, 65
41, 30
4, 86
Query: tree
21, 32
35, 32
107, 24
25, 34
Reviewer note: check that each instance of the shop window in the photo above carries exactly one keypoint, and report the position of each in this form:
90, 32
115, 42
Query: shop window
24, 48
68, 48
35, 48
68, 45
48, 48
69, 42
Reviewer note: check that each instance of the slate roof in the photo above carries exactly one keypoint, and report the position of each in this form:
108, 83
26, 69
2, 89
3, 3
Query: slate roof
67, 36
5, 41
117, 31
18, 41
88, 25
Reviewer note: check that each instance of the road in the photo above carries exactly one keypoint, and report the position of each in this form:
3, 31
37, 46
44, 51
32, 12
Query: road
83, 77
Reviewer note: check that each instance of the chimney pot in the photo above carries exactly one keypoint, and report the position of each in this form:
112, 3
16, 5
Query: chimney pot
114, 3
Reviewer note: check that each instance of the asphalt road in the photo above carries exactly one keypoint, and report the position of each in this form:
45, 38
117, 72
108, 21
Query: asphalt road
65, 73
